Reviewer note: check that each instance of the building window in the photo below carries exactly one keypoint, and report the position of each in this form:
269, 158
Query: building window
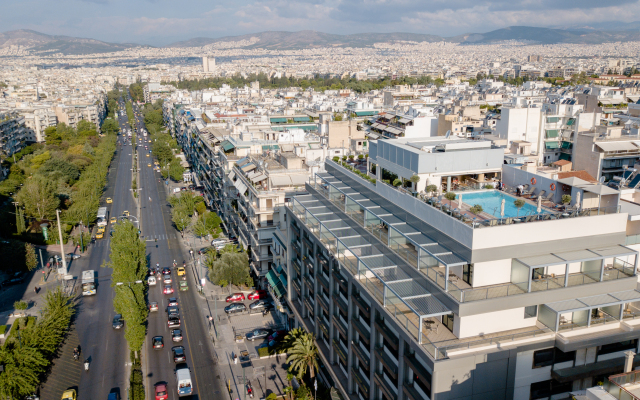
530, 312
447, 321
543, 358
540, 390
619, 346
467, 274
560, 356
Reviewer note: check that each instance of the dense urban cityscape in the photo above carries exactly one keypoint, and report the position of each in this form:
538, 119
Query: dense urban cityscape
309, 216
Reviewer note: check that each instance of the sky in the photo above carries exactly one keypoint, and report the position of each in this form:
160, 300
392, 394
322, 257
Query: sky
160, 22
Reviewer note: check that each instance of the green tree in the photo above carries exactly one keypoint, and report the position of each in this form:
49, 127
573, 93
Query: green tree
303, 355
519, 203
51, 136
450, 196
180, 218
129, 264
110, 127
176, 170
31, 260
39, 198
231, 267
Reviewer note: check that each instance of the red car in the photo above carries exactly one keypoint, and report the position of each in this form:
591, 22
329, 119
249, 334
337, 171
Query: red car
235, 297
167, 290
258, 294
161, 391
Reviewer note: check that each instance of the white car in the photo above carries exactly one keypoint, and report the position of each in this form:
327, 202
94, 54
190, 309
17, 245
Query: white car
218, 242
151, 281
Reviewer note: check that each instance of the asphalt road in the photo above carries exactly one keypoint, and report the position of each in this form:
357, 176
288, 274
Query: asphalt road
105, 347
158, 364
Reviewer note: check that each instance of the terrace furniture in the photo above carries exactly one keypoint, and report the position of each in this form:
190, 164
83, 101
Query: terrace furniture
529, 218
508, 221
540, 193
493, 222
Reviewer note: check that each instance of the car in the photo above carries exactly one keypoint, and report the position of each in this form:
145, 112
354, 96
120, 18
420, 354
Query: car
205, 250
173, 302
73, 256
109, 200
147, 155
167, 290
161, 391
235, 297
113, 220
125, 213
257, 295
235, 308
181, 271
176, 335
114, 395
166, 279
166, 271
153, 306
102, 229
220, 246
216, 242
157, 342
151, 280
260, 305
178, 354
277, 336
149, 165
173, 321
184, 286
99, 235
69, 394
173, 310
260, 333
118, 322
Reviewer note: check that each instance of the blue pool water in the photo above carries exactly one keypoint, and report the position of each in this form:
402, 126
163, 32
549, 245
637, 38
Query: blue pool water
490, 201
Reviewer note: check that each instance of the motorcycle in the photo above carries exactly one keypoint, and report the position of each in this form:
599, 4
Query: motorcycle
249, 390
86, 365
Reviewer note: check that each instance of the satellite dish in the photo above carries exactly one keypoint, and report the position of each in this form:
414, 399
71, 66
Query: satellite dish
446, 136
601, 179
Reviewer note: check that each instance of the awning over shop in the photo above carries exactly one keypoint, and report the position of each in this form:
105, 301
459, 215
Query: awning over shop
275, 283
227, 145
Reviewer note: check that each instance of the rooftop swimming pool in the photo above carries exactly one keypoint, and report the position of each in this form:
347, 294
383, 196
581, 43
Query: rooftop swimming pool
490, 201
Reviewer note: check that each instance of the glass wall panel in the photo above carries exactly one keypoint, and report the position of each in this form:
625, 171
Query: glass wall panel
547, 317
591, 269
520, 275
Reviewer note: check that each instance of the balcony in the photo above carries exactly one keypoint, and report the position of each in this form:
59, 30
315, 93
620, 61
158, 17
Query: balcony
341, 326
364, 307
362, 330
385, 386
391, 338
296, 266
362, 384
340, 302
411, 393
323, 302
308, 281
339, 279
362, 356
296, 286
323, 327
323, 281
340, 350
309, 305
387, 361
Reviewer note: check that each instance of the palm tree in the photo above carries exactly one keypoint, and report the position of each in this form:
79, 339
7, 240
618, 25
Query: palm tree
303, 355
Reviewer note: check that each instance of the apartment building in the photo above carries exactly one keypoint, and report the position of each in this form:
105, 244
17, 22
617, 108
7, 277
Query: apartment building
410, 302
38, 120
14, 134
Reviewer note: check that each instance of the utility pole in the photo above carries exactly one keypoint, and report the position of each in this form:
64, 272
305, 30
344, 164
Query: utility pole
64, 260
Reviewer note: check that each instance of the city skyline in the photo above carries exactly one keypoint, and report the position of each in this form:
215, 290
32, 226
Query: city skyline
160, 23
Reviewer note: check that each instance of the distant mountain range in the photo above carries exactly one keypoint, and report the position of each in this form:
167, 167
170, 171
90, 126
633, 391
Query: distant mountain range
68, 45
40, 42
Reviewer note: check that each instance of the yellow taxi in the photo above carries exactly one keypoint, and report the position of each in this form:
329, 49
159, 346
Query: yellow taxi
101, 229
125, 213
69, 394
99, 235
147, 154
109, 201
113, 220
181, 271
156, 163
149, 165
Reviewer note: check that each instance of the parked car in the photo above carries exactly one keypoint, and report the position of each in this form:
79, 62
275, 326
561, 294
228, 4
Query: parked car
260, 305
277, 335
118, 322
258, 294
151, 280
258, 334
235, 297
176, 335
158, 342
216, 242
153, 306
178, 354
235, 308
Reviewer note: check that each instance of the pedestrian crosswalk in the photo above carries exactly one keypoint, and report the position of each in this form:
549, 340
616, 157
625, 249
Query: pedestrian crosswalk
152, 238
